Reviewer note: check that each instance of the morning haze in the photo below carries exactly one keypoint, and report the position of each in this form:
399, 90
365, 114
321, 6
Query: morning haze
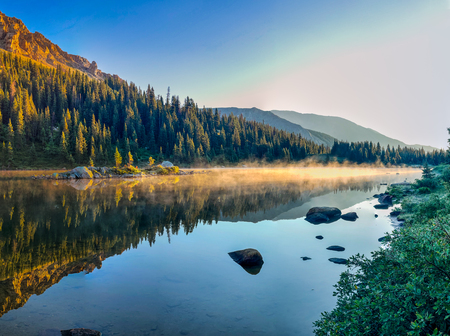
235, 168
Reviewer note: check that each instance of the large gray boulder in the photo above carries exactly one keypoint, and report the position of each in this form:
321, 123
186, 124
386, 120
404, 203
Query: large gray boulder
250, 260
319, 215
166, 164
81, 173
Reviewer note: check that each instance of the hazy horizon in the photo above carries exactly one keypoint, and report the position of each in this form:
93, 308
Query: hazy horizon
382, 65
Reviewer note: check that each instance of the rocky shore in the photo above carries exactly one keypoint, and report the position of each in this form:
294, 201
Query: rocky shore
166, 168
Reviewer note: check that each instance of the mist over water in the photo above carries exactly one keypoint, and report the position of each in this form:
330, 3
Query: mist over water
150, 256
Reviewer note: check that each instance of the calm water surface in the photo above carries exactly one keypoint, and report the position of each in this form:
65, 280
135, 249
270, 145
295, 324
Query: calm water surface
150, 256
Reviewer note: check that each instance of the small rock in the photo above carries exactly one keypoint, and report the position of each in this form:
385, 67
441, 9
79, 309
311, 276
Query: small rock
336, 248
376, 216
395, 213
382, 239
385, 199
341, 261
381, 206
319, 237
80, 332
306, 258
351, 216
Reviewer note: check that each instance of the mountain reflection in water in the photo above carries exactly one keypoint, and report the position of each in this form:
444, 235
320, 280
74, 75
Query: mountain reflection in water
50, 229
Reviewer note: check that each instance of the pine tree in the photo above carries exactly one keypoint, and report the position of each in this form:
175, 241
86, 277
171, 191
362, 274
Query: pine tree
427, 172
10, 156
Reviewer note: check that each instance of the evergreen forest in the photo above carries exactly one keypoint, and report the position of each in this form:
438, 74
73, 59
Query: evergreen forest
58, 117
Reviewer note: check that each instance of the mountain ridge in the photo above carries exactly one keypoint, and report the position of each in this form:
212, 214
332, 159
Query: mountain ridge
255, 114
17, 39
318, 126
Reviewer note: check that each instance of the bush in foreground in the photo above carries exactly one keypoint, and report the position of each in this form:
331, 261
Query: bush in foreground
403, 289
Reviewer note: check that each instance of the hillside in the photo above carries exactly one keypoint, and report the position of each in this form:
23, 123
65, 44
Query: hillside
271, 119
342, 129
16, 38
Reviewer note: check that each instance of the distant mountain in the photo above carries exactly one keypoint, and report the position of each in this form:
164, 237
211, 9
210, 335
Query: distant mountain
318, 128
342, 129
16, 38
269, 118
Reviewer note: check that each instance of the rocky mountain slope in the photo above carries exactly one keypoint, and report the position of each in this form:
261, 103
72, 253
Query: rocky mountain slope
16, 38
254, 114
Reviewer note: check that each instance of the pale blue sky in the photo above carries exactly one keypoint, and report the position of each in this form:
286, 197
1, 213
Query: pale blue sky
382, 64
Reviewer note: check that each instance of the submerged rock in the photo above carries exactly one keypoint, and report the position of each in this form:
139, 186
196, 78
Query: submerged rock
341, 261
319, 237
306, 258
336, 248
351, 216
317, 218
381, 206
319, 215
250, 260
80, 332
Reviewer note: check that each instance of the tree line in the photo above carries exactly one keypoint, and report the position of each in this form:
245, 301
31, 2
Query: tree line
368, 152
64, 117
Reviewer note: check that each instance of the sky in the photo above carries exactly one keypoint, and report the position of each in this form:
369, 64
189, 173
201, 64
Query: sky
382, 64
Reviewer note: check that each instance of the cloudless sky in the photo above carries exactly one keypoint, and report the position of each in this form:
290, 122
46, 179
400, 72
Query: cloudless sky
383, 64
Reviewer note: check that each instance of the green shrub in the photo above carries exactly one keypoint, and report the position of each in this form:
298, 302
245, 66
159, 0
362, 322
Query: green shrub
402, 290
424, 190
445, 176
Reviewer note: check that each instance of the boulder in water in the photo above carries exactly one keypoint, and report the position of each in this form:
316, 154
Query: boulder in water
385, 199
323, 214
319, 237
306, 258
250, 260
336, 248
381, 206
80, 332
350, 216
341, 261
317, 218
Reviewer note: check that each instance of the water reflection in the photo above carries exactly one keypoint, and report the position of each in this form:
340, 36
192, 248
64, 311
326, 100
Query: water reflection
50, 229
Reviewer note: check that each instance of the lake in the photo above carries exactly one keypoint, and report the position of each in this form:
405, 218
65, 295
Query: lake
150, 256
